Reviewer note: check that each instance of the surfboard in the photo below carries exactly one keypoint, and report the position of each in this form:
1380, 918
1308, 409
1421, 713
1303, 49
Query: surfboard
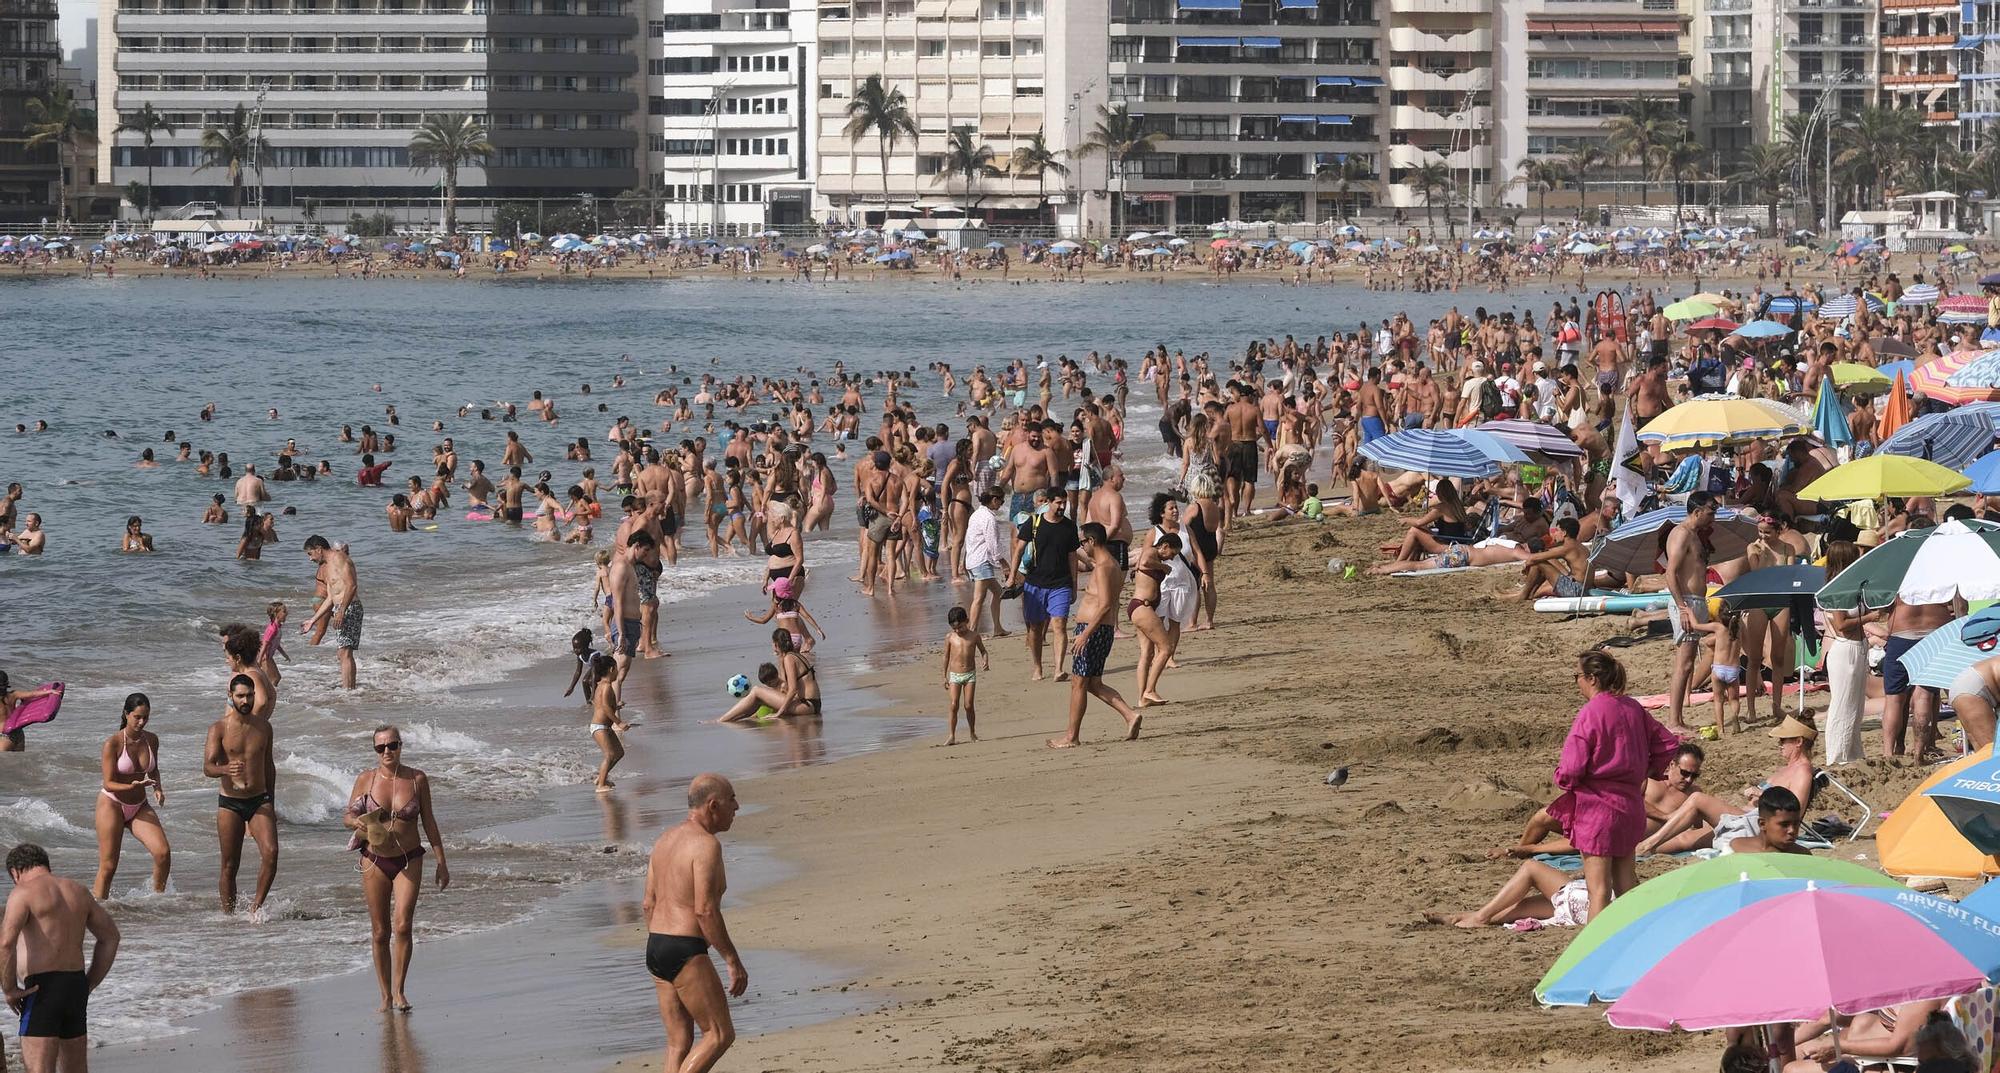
40, 710
1602, 605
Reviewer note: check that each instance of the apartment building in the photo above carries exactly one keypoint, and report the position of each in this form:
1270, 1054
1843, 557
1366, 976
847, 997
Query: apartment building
730, 124
29, 57
1440, 68
338, 86
1919, 59
1979, 73
978, 64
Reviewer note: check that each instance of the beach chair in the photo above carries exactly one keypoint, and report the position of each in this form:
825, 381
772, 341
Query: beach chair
1487, 525
1974, 1015
1824, 781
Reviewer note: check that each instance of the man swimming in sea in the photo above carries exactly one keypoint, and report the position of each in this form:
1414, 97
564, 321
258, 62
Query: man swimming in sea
683, 908
239, 753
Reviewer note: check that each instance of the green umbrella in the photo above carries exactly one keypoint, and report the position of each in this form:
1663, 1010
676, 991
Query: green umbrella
1689, 309
1874, 579
1695, 878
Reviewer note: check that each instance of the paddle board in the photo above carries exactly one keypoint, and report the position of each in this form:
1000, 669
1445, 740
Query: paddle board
1602, 605
40, 710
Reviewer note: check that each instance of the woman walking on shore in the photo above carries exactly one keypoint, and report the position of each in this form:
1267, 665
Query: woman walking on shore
388, 804
1612, 749
131, 766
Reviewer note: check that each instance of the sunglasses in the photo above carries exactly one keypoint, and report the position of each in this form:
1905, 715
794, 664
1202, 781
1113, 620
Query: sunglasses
1689, 775
385, 746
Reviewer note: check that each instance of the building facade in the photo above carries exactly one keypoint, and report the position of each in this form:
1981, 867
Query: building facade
30, 55
337, 88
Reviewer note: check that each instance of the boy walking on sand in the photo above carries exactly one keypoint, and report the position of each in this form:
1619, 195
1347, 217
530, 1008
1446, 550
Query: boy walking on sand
960, 679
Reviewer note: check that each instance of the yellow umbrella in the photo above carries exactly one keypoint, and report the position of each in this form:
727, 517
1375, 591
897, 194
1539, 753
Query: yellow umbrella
1854, 378
1711, 298
1878, 476
1715, 420
1689, 309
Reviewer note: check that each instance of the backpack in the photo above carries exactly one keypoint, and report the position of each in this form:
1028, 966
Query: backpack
1490, 403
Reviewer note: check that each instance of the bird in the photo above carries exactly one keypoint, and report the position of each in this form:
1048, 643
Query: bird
1337, 778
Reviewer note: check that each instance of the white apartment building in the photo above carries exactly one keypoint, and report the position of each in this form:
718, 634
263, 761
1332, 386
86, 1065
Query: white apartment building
1442, 89
729, 117
1757, 62
983, 64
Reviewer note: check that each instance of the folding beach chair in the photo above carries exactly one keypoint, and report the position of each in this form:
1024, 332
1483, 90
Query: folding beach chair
1974, 1015
1824, 781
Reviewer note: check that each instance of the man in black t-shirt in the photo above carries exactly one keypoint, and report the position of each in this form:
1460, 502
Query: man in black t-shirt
1050, 578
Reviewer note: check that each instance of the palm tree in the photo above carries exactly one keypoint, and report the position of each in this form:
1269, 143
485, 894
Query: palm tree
1343, 174
1767, 173
1544, 175
446, 142
55, 119
966, 157
1642, 133
1038, 160
1578, 165
147, 124
235, 147
1120, 136
885, 112
1684, 160
1431, 179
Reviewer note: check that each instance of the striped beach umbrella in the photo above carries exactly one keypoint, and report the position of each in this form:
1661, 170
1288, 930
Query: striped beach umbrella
1715, 419
1962, 309
1933, 378
1635, 549
1534, 436
1842, 306
1937, 660
1787, 304
1438, 453
1922, 294
1954, 438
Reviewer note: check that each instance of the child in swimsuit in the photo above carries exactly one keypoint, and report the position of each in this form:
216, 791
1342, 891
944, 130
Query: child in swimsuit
961, 679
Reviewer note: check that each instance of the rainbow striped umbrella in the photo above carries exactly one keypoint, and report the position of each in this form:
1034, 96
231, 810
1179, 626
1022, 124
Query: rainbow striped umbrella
1933, 379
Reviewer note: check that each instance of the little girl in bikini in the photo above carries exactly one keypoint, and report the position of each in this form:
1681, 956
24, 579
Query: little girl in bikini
272, 644
786, 608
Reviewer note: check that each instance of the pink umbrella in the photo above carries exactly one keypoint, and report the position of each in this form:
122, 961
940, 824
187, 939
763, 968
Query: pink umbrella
1793, 958
1929, 379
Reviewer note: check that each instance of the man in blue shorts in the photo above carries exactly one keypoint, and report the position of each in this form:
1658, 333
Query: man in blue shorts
1049, 543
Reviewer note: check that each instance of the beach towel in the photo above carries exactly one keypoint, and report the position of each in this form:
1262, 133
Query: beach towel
1655, 701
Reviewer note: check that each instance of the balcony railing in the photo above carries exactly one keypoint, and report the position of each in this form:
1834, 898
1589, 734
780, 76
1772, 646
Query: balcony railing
1729, 80
1728, 42
33, 9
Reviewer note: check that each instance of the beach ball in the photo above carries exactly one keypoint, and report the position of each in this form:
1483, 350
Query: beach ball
739, 685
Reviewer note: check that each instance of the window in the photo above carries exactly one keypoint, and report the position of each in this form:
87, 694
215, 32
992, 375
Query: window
1027, 87
931, 49
1028, 46
833, 50
682, 146
996, 49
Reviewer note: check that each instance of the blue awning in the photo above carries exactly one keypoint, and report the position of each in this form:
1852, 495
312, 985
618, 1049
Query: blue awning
1296, 118
1367, 80
1205, 42
1260, 42
1211, 5
1329, 158
1285, 4
1336, 120
1335, 80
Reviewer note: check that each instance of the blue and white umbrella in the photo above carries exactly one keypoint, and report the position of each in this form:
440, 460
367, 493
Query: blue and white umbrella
1064, 245
1762, 329
1635, 548
1441, 454
1842, 306
1922, 294
1970, 799
1937, 660
1787, 304
1493, 447
1953, 438
1982, 371
1907, 366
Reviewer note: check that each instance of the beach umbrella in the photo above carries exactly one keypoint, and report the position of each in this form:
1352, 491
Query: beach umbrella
1933, 378
1921, 294
1494, 447
1714, 419
1785, 305
1953, 438
1713, 324
1533, 436
1895, 412
1840, 306
1854, 378
1923, 566
1891, 347
1981, 374
1689, 309
1585, 248
1796, 956
1177, 242
1787, 587
1633, 908
1830, 417
1956, 308
1393, 244
1880, 475
1875, 302
1438, 453
1137, 236
1065, 245
1937, 660
1347, 229
1984, 474
1918, 840
1762, 329
1635, 547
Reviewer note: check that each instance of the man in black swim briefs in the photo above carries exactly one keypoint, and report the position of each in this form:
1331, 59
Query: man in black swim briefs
42, 971
683, 908
239, 754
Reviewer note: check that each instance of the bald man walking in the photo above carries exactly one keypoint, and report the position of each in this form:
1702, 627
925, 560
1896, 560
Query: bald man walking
684, 885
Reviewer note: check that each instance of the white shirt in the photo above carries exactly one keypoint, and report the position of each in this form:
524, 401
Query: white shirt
982, 539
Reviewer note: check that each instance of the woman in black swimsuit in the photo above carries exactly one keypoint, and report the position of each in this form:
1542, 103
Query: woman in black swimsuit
389, 802
1446, 519
793, 690
957, 483
784, 556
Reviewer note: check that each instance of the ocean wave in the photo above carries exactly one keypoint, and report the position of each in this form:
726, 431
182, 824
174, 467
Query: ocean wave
32, 816
316, 791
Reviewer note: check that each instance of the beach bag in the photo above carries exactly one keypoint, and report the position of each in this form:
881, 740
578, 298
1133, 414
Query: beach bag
1490, 403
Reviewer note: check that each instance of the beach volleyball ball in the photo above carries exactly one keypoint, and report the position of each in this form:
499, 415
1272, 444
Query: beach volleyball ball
739, 685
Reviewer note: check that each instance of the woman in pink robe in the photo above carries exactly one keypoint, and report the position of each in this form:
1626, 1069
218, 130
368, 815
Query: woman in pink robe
1612, 749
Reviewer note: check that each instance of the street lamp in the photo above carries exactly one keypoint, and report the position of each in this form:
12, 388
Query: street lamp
1074, 121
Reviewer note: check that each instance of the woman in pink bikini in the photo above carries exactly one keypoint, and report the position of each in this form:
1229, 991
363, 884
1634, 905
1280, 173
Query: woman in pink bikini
388, 803
131, 767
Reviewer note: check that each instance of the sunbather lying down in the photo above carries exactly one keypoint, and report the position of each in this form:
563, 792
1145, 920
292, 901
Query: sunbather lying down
1663, 797
1537, 891
1457, 555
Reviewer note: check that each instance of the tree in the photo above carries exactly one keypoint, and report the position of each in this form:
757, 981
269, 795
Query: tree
54, 118
445, 143
1578, 165
1430, 179
147, 124
1684, 164
234, 147
1040, 161
964, 156
885, 112
1544, 175
1642, 133
1120, 136
1344, 174
1767, 173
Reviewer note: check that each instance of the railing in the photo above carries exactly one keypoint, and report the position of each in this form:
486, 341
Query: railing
300, 11
30, 48
1719, 42
1730, 79
43, 9
1918, 40
269, 50
1192, 19
1238, 98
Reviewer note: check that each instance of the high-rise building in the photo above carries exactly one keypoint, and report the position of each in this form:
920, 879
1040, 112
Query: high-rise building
729, 127
1979, 74
1919, 69
337, 87
29, 57
1442, 93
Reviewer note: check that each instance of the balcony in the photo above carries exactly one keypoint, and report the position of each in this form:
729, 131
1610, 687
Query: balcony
30, 9
1410, 39
1919, 5
1728, 42
1920, 78
1913, 41
1452, 80
1854, 79
1409, 117
1722, 6
1729, 80
1934, 119
1441, 7
49, 49
1416, 156
1818, 41
1829, 5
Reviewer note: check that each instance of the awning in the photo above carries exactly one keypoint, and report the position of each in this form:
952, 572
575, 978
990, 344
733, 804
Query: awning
1296, 118
1205, 42
1334, 80
1211, 5
1367, 81
1335, 120
1284, 4
1260, 42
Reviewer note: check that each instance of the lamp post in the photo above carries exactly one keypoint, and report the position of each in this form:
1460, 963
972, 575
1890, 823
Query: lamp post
1074, 120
